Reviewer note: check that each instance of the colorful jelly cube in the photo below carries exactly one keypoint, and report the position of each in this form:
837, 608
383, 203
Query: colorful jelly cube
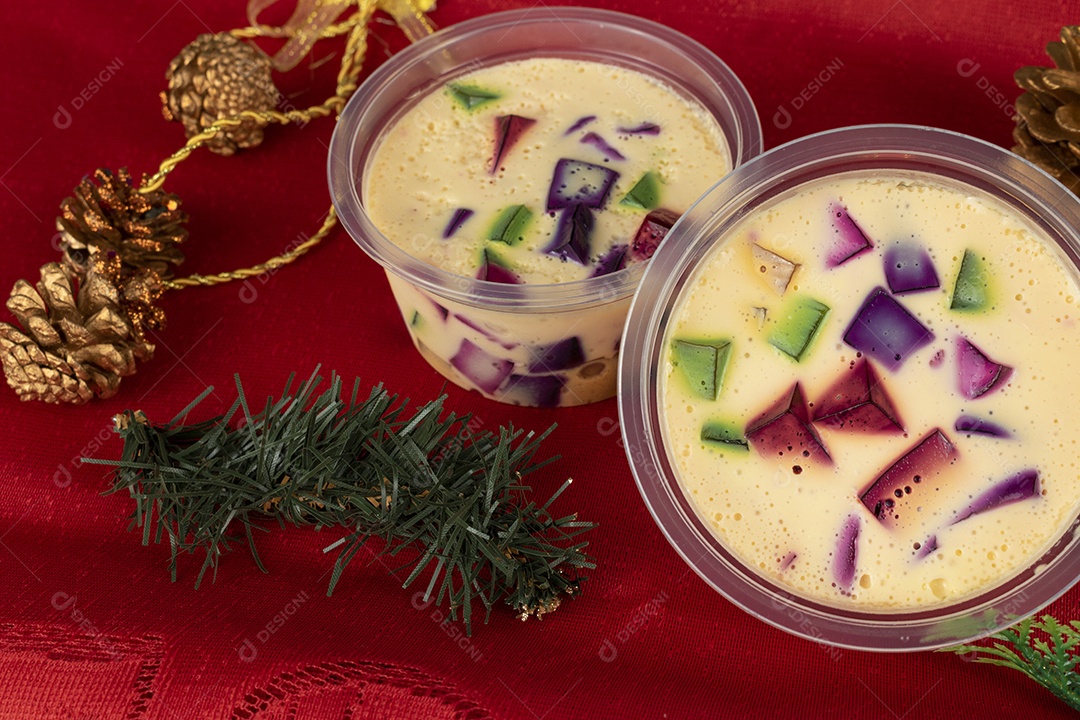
723, 435
858, 402
978, 374
784, 431
848, 239
909, 269
645, 128
846, 555
797, 324
456, 221
563, 355
611, 261
573, 235
980, 426
484, 370
971, 290
508, 130
533, 390
579, 123
775, 270
883, 329
471, 96
1020, 486
651, 233
605, 148
493, 269
896, 495
578, 182
509, 226
703, 364
645, 194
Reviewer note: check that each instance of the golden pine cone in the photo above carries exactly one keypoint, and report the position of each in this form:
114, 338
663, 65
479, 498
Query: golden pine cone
1048, 112
214, 77
77, 340
144, 230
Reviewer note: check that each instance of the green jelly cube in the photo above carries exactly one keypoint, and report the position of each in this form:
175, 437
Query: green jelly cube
971, 290
703, 364
645, 194
797, 325
510, 225
471, 96
724, 435
416, 319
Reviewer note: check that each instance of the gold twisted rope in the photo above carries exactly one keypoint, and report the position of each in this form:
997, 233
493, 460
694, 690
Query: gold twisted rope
351, 64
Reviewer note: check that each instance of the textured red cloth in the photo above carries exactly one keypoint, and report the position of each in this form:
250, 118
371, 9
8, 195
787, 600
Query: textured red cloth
90, 624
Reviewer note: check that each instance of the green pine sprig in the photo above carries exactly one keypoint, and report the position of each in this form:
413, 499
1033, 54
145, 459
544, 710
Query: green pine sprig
1050, 661
447, 502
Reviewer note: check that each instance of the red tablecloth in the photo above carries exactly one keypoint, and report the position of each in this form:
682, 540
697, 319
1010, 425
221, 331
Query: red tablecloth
90, 624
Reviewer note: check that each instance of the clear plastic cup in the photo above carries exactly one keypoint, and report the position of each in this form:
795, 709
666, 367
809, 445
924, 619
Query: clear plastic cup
951, 158
502, 323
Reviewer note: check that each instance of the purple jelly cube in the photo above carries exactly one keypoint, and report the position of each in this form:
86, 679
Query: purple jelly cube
908, 269
484, 370
605, 148
924, 549
784, 431
563, 355
508, 130
858, 402
579, 123
456, 221
573, 235
653, 229
979, 426
577, 182
846, 556
1020, 486
908, 484
645, 128
848, 239
978, 374
533, 390
884, 330
611, 261
493, 269
788, 560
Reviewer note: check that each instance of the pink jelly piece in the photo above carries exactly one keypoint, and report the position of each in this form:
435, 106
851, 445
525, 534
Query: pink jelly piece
598, 142
579, 123
979, 426
848, 239
938, 359
1021, 486
978, 374
577, 182
884, 330
847, 553
573, 235
899, 491
485, 371
787, 561
611, 261
508, 130
493, 272
858, 402
909, 269
456, 221
784, 431
645, 128
653, 229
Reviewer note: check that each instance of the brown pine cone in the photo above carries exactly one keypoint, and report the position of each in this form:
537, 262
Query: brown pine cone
1048, 112
76, 340
144, 230
214, 77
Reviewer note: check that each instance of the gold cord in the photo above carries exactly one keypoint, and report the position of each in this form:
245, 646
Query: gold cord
351, 65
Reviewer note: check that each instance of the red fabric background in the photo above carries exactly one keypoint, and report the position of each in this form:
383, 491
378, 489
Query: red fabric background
129, 643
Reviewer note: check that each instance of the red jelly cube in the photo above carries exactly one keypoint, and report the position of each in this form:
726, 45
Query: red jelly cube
651, 232
508, 130
978, 374
858, 402
784, 431
897, 493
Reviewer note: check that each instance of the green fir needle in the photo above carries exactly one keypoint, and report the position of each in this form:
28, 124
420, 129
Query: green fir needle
449, 503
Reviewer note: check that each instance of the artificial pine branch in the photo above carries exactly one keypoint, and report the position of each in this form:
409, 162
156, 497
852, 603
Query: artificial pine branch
1051, 662
420, 483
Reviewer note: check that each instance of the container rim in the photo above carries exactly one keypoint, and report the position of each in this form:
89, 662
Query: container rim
391, 81
949, 155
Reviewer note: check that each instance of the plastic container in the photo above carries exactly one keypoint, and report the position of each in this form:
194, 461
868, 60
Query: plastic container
950, 158
506, 320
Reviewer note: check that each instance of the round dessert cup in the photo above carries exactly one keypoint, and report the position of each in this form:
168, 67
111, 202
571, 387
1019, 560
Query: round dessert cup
950, 158
503, 323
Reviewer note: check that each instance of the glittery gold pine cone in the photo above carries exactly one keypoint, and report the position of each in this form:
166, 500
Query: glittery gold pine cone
1048, 112
78, 338
214, 77
111, 215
